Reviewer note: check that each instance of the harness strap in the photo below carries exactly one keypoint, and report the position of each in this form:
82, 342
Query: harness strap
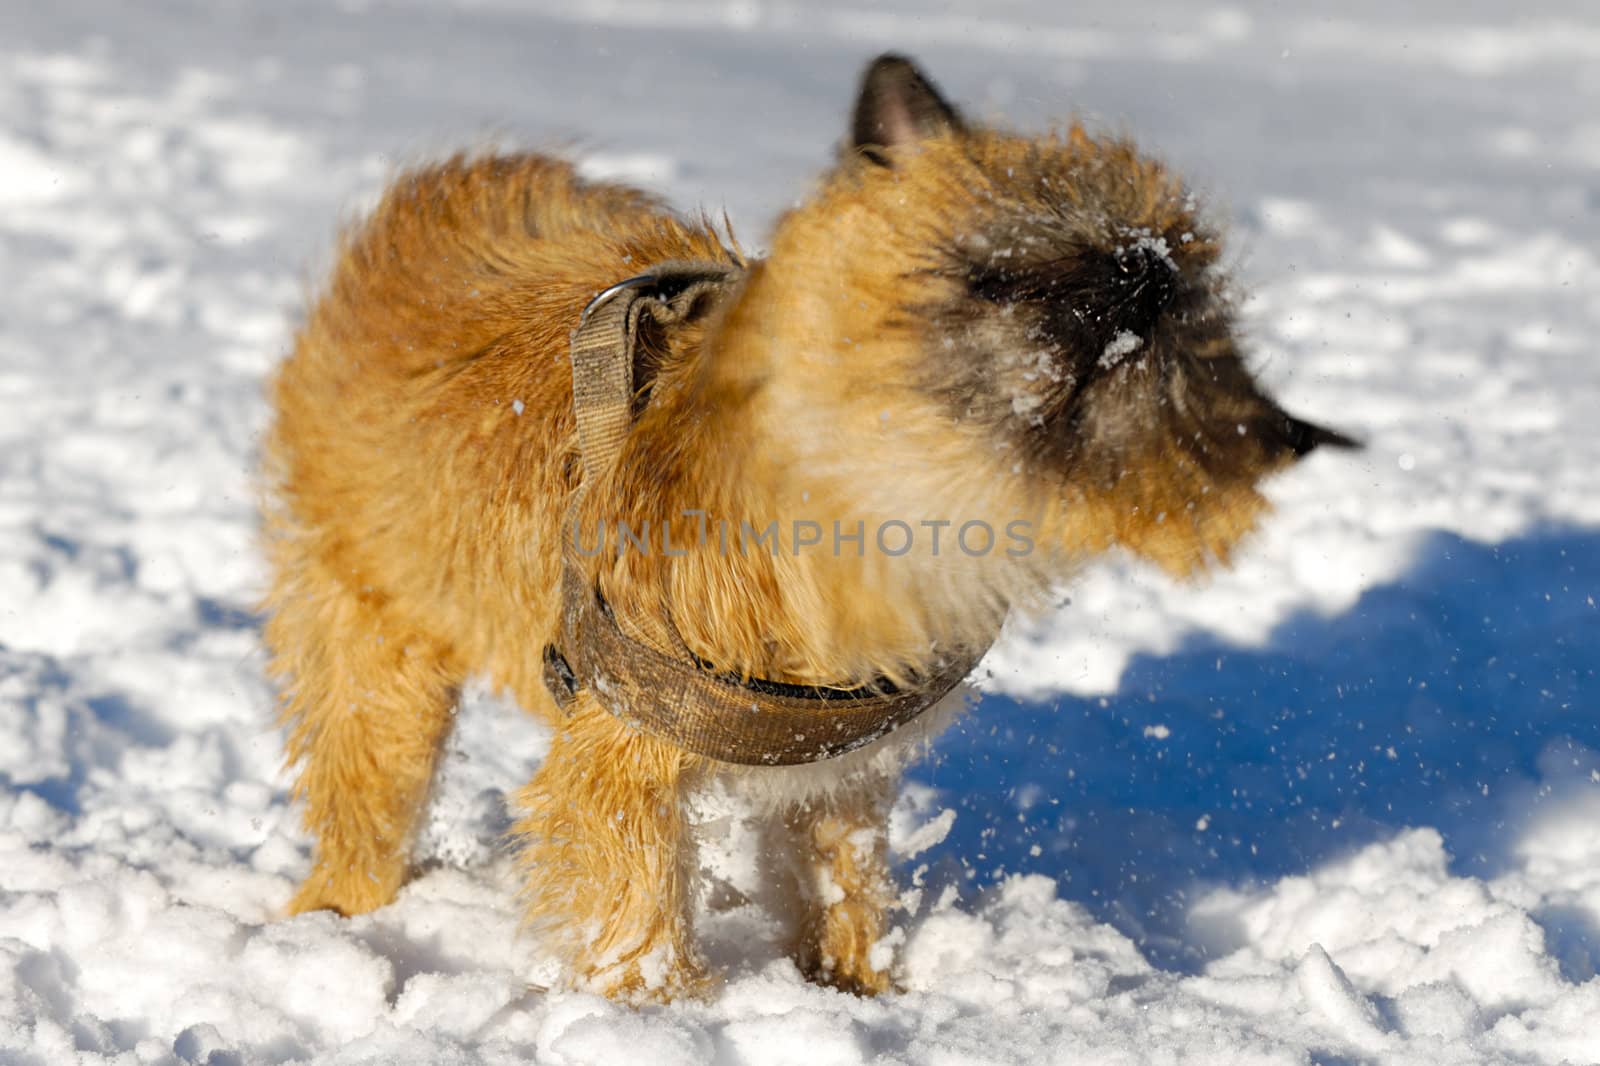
605, 349
673, 694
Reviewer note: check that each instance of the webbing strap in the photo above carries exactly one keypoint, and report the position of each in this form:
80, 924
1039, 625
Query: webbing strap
671, 693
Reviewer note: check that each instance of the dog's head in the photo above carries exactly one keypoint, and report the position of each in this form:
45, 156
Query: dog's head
1056, 302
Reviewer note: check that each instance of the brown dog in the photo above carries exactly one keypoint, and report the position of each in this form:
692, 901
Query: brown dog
966, 339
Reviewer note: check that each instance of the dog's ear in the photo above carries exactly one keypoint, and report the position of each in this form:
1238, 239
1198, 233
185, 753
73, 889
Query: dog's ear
898, 106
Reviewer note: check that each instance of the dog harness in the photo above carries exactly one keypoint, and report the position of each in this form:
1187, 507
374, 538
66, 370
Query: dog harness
672, 693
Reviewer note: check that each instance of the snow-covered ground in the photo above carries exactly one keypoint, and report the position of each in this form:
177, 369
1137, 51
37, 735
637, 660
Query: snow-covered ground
1340, 805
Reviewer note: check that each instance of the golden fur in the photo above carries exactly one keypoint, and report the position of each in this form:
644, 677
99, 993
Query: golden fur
423, 456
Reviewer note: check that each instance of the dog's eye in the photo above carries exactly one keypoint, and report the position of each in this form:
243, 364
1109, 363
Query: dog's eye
1103, 292
1146, 281
1062, 278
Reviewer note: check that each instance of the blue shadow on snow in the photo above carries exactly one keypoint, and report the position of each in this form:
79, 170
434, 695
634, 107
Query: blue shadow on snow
1438, 700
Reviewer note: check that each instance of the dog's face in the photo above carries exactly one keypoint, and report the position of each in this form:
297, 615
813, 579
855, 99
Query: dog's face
1070, 310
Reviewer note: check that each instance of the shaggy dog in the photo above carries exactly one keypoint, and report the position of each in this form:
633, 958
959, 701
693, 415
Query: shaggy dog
971, 360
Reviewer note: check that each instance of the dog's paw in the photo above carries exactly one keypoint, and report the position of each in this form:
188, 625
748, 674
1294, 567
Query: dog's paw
844, 947
857, 980
347, 895
640, 984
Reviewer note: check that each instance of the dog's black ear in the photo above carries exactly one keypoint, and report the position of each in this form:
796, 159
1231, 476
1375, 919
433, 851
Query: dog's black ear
898, 106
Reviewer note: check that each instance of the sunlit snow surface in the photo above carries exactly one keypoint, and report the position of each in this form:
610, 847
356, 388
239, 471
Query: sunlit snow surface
1339, 805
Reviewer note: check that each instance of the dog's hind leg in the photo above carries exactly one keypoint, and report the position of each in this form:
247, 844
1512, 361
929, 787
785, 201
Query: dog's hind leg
608, 857
368, 702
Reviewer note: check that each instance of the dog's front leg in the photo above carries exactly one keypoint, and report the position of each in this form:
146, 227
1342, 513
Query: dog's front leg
846, 884
369, 701
608, 857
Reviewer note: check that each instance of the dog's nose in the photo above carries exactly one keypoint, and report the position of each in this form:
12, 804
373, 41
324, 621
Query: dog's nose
1146, 281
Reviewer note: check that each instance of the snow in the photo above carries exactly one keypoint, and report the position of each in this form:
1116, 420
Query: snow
1338, 804
1125, 343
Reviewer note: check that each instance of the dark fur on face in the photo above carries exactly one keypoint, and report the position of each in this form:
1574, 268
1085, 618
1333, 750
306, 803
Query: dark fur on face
1087, 322
1088, 334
